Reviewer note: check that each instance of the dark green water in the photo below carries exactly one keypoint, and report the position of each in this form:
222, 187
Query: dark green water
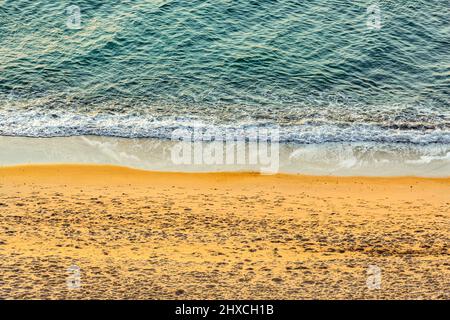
142, 68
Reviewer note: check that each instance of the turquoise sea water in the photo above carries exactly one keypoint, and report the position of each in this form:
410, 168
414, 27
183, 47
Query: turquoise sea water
143, 68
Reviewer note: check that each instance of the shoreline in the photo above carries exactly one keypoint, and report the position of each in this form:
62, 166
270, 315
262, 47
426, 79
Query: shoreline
331, 159
136, 234
44, 170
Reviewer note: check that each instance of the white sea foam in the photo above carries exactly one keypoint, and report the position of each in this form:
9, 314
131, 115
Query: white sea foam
59, 123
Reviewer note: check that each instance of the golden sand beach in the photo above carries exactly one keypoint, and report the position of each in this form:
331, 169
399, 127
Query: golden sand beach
149, 235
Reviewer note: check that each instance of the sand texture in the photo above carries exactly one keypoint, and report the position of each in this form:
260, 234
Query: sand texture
148, 235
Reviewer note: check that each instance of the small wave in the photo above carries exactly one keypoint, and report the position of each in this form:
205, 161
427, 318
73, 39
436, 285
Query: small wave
426, 159
110, 149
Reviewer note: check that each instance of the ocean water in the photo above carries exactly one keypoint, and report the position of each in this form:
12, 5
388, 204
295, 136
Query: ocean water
321, 70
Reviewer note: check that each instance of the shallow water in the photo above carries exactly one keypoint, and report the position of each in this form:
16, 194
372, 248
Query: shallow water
335, 159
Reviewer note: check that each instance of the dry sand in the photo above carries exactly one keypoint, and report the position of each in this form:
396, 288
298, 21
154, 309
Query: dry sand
147, 235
